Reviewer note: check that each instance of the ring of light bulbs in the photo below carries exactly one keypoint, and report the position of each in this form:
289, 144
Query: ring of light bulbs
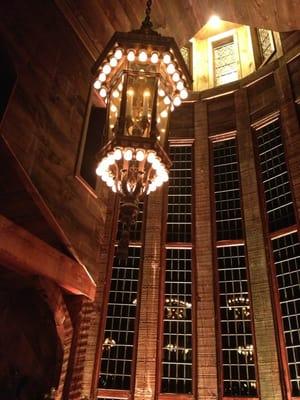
117, 162
179, 83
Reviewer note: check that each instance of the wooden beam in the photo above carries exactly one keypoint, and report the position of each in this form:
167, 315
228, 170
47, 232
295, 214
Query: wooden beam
24, 252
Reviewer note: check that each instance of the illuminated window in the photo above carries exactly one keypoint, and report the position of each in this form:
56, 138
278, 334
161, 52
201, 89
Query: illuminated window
284, 244
177, 322
180, 195
225, 61
275, 178
236, 342
186, 52
266, 43
117, 346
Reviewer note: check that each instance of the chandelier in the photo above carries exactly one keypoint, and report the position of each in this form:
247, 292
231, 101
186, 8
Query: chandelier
142, 77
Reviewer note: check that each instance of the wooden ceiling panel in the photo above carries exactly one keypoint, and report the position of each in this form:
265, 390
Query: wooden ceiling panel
96, 20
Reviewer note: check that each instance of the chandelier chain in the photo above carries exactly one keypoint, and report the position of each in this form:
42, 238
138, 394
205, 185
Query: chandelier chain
147, 21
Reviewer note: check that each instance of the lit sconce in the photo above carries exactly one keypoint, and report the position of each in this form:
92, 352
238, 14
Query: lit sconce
246, 351
142, 77
175, 309
214, 21
240, 305
173, 348
108, 344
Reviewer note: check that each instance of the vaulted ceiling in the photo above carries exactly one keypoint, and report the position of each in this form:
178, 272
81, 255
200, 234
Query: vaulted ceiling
96, 20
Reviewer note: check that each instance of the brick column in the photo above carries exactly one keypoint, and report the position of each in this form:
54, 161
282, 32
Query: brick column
267, 356
147, 339
206, 358
290, 131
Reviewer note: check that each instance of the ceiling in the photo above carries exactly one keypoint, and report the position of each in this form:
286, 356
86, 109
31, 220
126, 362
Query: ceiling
96, 20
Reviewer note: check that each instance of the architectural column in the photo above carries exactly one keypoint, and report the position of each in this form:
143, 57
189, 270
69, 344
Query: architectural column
290, 131
266, 349
148, 319
206, 358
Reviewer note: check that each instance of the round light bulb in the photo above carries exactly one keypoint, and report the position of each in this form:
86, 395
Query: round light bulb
128, 154
106, 69
113, 62
114, 189
167, 100
117, 154
113, 108
110, 182
154, 58
177, 101
120, 86
167, 58
156, 163
184, 94
103, 92
140, 155
131, 55
171, 69
118, 54
214, 21
164, 114
97, 84
102, 77
151, 156
161, 92
143, 56
115, 94
180, 85
176, 77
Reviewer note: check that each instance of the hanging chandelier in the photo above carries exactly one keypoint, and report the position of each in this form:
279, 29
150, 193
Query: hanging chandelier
142, 77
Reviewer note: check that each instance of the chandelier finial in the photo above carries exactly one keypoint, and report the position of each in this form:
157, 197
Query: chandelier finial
147, 24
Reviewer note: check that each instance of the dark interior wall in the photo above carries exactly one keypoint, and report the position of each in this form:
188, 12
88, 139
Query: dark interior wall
44, 119
30, 350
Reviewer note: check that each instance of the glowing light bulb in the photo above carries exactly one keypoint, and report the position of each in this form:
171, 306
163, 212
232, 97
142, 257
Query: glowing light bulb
140, 155
113, 108
154, 58
177, 101
167, 58
161, 92
171, 69
214, 21
167, 100
151, 156
176, 77
115, 94
131, 55
113, 62
164, 114
117, 154
118, 53
102, 77
143, 56
180, 85
128, 154
120, 87
97, 84
106, 69
184, 94
103, 92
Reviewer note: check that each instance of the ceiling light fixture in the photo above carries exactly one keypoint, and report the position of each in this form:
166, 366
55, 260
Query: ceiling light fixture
141, 76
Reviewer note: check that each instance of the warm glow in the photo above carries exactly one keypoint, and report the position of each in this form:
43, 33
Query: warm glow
106, 69
167, 100
184, 94
171, 69
115, 94
131, 55
113, 62
154, 58
164, 114
214, 21
118, 54
151, 156
177, 101
128, 154
102, 77
97, 84
140, 155
167, 58
143, 56
161, 92
176, 77
180, 85
117, 154
103, 92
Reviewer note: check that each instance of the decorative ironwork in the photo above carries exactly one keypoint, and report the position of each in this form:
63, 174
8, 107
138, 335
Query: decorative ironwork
266, 41
225, 62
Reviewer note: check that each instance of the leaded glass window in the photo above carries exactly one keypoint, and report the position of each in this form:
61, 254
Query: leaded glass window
117, 346
266, 42
286, 251
225, 61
